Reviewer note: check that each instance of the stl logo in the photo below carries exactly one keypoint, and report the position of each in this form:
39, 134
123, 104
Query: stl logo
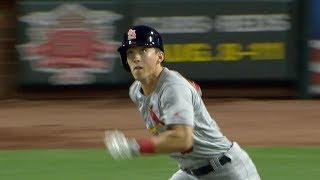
132, 34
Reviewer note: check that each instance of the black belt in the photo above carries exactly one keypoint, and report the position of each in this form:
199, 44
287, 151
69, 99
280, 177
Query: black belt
207, 168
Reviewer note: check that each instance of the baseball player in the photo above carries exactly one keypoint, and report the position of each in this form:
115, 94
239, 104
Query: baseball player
173, 111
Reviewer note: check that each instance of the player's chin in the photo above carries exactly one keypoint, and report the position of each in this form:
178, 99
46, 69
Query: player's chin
137, 75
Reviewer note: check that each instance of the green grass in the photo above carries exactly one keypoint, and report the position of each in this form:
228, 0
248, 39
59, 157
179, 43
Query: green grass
274, 163
287, 163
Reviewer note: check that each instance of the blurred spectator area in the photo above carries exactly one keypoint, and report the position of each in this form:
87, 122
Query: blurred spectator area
8, 63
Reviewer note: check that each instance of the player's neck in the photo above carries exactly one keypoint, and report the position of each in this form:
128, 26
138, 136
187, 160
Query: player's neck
149, 84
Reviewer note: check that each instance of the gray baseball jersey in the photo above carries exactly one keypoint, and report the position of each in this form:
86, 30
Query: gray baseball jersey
175, 101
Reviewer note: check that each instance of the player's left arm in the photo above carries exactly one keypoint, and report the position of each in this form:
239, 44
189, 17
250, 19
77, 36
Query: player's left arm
178, 138
176, 103
178, 115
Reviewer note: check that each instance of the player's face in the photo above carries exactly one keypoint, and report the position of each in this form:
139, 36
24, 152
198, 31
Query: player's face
143, 61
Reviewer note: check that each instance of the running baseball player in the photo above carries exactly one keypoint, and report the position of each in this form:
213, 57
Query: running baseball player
173, 111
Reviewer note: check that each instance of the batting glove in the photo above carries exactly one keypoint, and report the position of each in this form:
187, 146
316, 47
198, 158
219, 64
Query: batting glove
120, 147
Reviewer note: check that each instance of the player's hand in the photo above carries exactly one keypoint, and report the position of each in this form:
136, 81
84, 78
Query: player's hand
119, 146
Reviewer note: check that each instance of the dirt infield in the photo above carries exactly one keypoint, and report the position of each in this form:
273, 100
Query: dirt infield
81, 123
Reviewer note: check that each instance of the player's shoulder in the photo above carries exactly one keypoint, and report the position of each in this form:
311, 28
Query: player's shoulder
134, 90
136, 84
177, 82
174, 81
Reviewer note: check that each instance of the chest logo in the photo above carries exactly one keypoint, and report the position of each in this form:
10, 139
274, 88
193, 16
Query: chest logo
154, 124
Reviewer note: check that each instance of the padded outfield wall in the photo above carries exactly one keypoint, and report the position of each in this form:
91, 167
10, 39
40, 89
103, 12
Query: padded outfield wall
206, 41
228, 42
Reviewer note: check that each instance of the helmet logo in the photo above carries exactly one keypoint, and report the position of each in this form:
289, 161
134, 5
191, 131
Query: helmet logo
131, 34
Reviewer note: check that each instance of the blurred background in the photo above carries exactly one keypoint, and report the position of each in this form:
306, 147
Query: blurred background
232, 48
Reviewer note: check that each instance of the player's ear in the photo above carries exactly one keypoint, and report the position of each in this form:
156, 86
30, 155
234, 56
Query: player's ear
160, 56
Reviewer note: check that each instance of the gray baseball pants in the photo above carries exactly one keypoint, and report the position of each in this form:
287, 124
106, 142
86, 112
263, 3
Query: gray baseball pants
241, 167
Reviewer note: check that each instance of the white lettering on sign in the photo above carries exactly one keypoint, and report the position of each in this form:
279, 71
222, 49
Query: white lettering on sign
252, 23
178, 24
